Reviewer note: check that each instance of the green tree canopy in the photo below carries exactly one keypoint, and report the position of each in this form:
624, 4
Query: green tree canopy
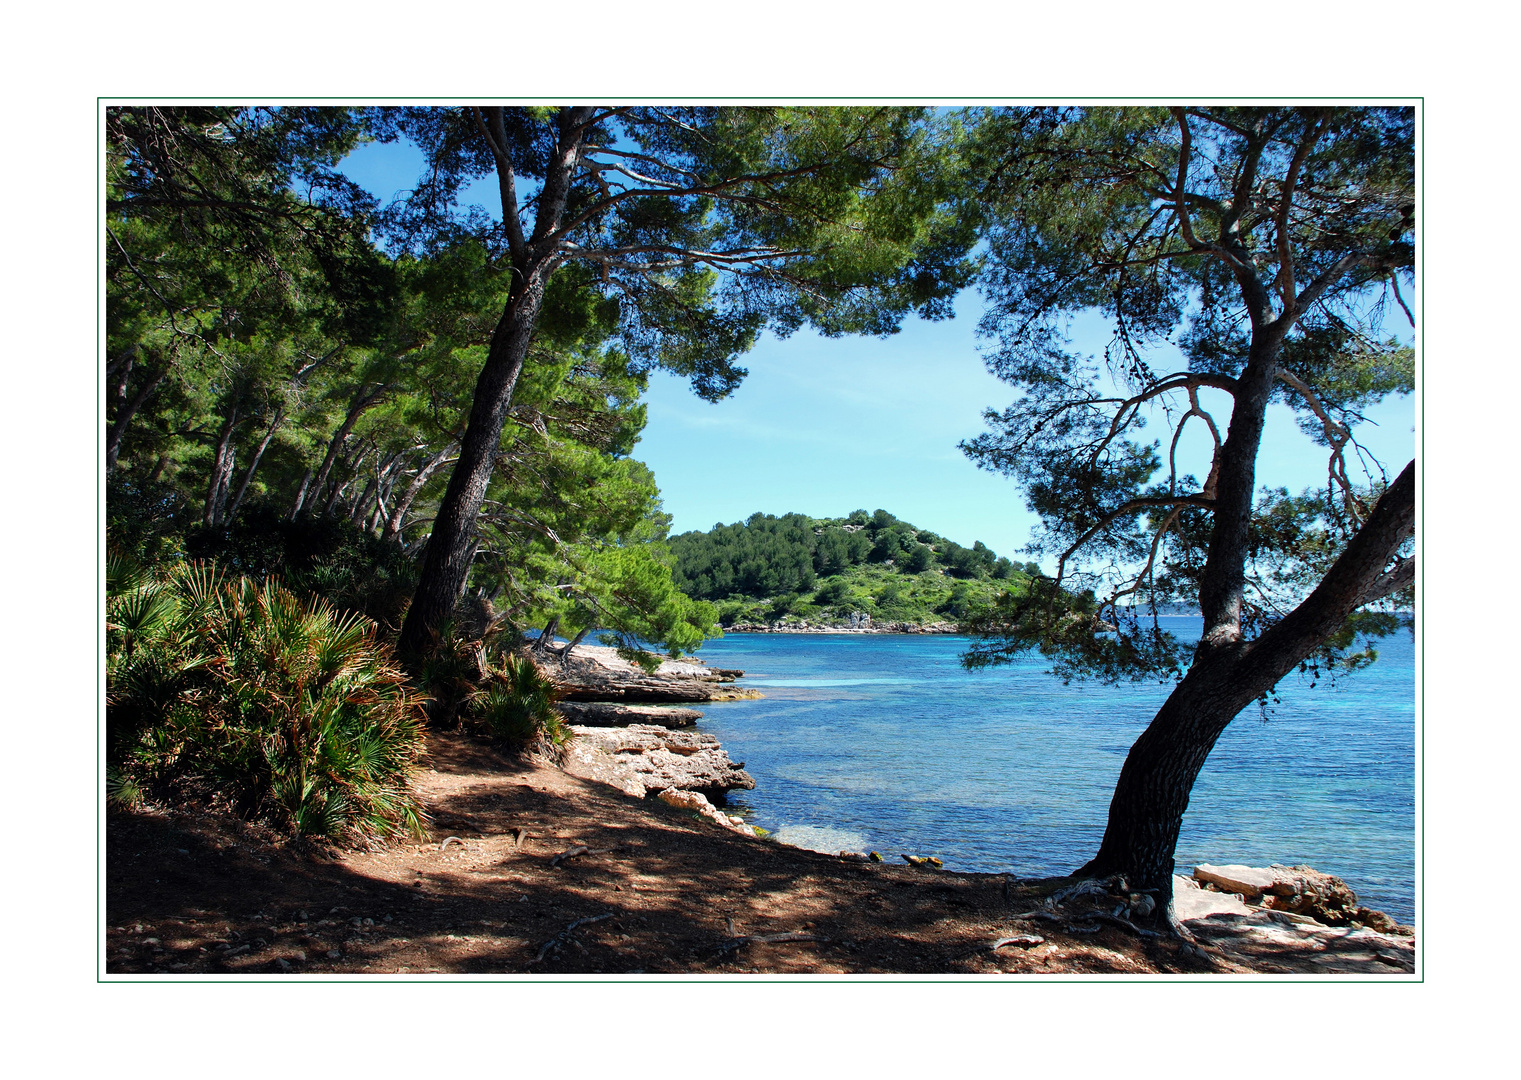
700, 227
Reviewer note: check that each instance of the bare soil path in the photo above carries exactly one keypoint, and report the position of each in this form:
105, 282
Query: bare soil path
656, 890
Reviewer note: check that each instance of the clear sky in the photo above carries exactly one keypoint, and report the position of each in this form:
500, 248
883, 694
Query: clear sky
825, 426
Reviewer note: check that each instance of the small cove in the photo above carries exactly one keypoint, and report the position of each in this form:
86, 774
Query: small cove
882, 741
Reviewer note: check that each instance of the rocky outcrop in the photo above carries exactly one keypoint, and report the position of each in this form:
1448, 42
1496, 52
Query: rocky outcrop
1298, 890
598, 673
1262, 937
697, 802
643, 758
619, 714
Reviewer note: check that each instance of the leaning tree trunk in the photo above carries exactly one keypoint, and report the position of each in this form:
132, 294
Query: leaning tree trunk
221, 472
1159, 773
396, 519
127, 410
362, 400
253, 466
451, 546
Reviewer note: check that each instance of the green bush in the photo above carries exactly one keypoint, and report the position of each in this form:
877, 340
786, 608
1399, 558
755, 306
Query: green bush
833, 591
918, 560
240, 690
517, 705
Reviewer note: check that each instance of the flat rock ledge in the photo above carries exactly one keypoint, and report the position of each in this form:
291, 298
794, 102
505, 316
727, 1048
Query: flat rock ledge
643, 758
598, 673
1298, 890
1270, 940
619, 714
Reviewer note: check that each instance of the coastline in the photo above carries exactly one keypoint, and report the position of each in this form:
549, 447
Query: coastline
947, 628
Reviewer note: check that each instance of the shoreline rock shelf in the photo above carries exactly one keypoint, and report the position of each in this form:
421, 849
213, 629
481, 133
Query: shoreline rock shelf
630, 729
643, 759
862, 626
1280, 915
1296, 890
620, 714
596, 673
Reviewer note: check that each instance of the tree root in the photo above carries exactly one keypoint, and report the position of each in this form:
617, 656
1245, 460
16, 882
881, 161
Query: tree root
735, 944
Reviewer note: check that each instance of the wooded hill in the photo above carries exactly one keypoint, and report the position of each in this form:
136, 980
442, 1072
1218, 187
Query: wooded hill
768, 568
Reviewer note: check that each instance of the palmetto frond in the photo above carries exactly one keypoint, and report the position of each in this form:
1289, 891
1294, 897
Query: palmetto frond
295, 706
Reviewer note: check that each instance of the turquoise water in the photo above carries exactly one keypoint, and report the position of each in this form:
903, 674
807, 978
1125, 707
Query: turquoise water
882, 742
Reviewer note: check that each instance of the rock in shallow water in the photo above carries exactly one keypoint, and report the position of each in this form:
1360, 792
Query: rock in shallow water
693, 800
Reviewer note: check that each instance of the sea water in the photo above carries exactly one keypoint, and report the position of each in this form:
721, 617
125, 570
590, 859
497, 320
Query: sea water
883, 742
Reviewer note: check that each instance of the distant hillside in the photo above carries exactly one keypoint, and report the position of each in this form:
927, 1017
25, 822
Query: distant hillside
794, 569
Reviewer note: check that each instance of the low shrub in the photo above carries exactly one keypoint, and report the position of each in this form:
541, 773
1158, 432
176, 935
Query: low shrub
287, 709
517, 704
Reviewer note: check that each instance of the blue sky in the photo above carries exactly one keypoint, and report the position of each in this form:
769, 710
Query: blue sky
824, 426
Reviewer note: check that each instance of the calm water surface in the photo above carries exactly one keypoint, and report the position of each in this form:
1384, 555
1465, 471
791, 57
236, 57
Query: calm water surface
882, 742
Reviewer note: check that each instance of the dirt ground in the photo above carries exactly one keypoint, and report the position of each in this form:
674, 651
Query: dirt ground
657, 892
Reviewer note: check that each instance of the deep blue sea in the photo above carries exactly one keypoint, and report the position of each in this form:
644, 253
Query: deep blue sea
882, 742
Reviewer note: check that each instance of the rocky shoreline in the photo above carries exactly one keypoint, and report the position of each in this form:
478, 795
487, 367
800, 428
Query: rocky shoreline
861, 625
633, 732
631, 727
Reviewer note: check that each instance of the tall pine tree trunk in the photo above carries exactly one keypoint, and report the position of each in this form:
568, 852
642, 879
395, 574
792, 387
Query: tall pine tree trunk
127, 410
221, 472
451, 546
253, 466
363, 398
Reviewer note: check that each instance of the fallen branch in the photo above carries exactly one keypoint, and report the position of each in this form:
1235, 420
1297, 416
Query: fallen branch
1024, 941
1049, 916
568, 853
563, 937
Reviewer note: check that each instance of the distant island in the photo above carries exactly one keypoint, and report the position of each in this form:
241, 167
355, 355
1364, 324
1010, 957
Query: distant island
862, 572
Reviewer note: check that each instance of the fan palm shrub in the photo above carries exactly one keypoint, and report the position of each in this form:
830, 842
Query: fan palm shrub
517, 704
288, 708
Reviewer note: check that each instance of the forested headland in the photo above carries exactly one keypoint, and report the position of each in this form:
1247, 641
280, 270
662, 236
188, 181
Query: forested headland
794, 569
